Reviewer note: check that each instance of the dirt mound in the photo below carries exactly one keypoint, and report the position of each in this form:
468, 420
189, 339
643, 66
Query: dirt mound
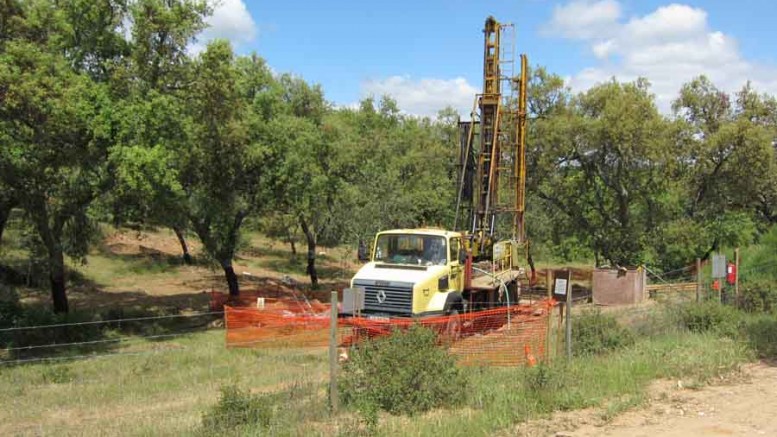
129, 242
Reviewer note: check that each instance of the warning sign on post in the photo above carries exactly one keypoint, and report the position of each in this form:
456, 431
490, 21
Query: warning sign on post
561, 287
718, 265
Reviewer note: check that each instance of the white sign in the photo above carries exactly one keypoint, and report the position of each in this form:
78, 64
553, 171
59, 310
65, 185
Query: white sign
561, 287
718, 266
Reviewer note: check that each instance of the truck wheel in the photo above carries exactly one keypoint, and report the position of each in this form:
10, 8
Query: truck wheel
453, 328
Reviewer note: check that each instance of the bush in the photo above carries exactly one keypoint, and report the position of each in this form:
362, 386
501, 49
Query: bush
762, 336
405, 373
35, 316
710, 316
596, 333
237, 408
758, 296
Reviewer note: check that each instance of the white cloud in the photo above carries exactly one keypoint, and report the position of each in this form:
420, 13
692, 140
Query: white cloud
668, 46
582, 19
230, 20
424, 96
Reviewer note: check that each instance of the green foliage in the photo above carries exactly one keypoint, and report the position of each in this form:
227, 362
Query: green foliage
759, 261
761, 333
10, 308
405, 373
758, 295
602, 167
96, 125
240, 412
596, 333
710, 316
237, 408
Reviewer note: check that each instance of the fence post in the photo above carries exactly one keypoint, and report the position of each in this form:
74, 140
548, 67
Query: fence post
736, 277
549, 287
698, 280
569, 314
333, 401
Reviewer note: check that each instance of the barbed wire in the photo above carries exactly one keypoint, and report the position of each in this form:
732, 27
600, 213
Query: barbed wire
98, 322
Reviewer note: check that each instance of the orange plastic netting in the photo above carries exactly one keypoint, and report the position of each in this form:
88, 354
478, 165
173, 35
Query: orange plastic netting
505, 336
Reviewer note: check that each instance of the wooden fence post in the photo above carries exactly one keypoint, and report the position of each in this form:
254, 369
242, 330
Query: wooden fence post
698, 280
736, 277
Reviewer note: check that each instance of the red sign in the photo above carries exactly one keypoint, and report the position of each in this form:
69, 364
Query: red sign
731, 273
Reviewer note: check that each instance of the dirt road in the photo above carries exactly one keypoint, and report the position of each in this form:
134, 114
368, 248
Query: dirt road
744, 405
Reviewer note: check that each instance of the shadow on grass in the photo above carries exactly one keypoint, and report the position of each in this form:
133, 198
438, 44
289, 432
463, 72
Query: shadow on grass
98, 322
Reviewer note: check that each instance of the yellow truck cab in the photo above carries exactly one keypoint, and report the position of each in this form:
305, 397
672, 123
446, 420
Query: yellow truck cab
413, 273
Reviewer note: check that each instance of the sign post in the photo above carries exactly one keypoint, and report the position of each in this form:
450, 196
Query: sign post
562, 290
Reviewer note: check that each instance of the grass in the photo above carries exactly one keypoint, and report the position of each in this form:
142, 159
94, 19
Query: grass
502, 398
159, 388
167, 387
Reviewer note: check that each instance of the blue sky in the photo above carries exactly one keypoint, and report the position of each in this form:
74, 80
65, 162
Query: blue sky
429, 53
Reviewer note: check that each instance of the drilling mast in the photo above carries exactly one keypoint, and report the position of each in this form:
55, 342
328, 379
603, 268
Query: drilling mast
492, 162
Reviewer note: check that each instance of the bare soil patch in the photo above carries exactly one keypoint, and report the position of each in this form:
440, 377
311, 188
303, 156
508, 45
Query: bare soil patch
741, 404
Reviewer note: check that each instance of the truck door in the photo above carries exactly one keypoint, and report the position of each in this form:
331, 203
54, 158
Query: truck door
457, 270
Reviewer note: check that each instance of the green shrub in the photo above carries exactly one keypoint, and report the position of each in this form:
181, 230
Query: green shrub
762, 336
36, 316
237, 408
710, 316
404, 373
544, 377
758, 296
596, 333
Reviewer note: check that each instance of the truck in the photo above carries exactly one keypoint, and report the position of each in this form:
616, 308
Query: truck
429, 271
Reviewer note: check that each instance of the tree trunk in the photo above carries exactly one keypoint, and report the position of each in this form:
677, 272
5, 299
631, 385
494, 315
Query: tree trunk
229, 273
57, 277
187, 258
6, 206
311, 239
290, 239
4, 213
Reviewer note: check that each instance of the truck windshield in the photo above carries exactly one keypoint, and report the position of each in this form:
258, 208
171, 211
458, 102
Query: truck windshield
425, 250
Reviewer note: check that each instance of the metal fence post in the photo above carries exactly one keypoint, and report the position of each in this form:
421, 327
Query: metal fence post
333, 401
569, 314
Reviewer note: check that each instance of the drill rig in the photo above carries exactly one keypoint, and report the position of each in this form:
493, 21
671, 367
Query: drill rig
492, 164
421, 272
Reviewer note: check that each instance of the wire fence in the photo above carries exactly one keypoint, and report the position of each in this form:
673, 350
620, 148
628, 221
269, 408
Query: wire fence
93, 339
111, 321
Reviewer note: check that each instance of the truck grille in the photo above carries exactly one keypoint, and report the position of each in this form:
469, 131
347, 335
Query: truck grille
398, 298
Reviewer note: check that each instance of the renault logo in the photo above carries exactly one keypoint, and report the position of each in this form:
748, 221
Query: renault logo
381, 296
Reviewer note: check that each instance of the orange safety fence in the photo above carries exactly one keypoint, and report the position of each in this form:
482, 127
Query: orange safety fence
505, 336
